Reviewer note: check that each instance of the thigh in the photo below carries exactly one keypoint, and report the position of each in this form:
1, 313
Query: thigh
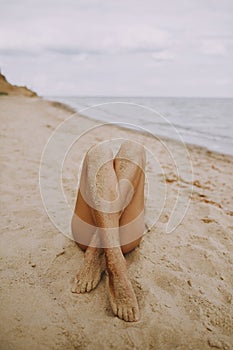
82, 225
132, 223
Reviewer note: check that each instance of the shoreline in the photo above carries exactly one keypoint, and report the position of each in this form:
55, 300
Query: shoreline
183, 280
188, 145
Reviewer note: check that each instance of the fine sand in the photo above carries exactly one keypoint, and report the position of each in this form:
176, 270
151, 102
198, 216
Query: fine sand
183, 280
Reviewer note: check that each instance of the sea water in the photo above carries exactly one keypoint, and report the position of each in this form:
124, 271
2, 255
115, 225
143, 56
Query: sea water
205, 122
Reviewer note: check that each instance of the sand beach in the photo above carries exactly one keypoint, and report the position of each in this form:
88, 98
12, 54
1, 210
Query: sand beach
183, 281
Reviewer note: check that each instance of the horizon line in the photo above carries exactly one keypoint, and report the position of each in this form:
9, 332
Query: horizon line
137, 96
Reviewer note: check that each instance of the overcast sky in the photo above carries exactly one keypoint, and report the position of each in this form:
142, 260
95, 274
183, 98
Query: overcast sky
119, 47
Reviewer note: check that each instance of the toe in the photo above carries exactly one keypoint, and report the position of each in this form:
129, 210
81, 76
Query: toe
130, 315
136, 314
94, 283
114, 308
89, 286
120, 312
78, 288
125, 314
83, 287
75, 287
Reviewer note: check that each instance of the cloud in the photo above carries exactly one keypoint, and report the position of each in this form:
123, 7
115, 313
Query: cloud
163, 56
115, 47
74, 27
219, 46
82, 39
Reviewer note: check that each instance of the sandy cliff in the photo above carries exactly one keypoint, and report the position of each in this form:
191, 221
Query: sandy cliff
8, 89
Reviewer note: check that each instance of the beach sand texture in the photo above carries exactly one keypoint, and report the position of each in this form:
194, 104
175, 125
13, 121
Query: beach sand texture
183, 280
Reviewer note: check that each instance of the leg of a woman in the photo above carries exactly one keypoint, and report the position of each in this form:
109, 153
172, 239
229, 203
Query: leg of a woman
107, 214
130, 165
84, 233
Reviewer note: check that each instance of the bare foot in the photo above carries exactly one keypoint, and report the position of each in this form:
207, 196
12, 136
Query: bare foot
121, 294
90, 272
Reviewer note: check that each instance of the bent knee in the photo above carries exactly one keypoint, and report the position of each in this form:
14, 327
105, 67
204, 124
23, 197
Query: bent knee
134, 152
99, 151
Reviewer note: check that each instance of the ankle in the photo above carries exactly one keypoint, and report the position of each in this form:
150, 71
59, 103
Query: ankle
115, 263
93, 252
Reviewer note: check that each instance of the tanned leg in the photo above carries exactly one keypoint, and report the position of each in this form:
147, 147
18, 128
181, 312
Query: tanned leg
110, 205
86, 236
129, 165
109, 201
